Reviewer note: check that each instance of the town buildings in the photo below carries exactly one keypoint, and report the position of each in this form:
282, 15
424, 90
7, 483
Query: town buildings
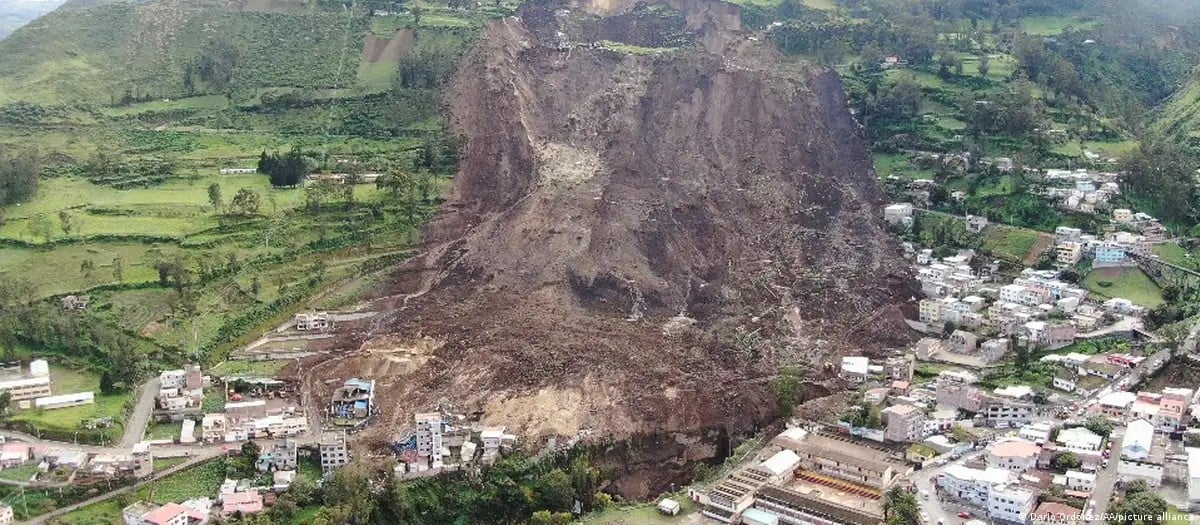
355, 399
994, 489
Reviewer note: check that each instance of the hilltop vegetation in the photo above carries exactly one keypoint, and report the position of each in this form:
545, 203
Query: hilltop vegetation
117, 118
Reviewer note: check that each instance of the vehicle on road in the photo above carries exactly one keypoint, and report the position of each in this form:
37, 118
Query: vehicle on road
964, 514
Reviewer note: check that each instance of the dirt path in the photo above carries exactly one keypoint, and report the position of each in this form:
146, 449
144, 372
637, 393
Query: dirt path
1044, 242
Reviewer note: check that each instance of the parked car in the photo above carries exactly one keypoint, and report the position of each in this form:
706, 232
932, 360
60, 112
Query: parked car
964, 514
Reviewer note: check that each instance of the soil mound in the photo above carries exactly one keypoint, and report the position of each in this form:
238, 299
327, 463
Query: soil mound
651, 218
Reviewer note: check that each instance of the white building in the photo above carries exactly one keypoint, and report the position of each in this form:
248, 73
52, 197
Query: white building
1036, 432
430, 427
1080, 481
64, 400
1139, 437
993, 489
1079, 439
855, 368
1013, 454
899, 214
1193, 481
333, 452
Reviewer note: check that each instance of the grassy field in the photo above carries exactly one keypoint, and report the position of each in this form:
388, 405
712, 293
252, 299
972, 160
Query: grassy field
1128, 283
887, 164
156, 431
646, 514
249, 368
64, 380
1053, 25
1177, 255
199, 481
1009, 243
166, 463
24, 473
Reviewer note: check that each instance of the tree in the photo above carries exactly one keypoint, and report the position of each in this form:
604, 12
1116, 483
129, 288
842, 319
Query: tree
786, 388
18, 176
1160, 175
395, 182
214, 196
250, 452
65, 223
1065, 461
5, 401
107, 383
553, 491
349, 491
985, 65
1136, 486
118, 265
40, 225
1099, 425
900, 507
255, 286
245, 202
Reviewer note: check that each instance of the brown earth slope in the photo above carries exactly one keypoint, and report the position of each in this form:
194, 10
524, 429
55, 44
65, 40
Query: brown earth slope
637, 240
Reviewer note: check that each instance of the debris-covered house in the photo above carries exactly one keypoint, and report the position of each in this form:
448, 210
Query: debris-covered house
355, 399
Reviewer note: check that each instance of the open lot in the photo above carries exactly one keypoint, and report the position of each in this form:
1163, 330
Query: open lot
1125, 282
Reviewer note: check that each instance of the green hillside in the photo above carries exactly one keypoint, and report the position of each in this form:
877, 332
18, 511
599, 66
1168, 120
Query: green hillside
116, 119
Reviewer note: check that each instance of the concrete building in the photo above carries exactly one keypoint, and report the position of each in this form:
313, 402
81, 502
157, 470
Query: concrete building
899, 214
1080, 481
1013, 454
855, 369
1193, 479
1068, 253
994, 350
845, 459
1079, 439
1007, 413
333, 452
1038, 433
957, 390
1110, 254
994, 489
6, 515
904, 424
27, 388
1054, 513
1139, 437
355, 399
430, 427
313, 321
963, 342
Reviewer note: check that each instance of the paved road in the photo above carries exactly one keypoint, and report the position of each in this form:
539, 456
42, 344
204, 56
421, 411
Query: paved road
135, 428
1106, 480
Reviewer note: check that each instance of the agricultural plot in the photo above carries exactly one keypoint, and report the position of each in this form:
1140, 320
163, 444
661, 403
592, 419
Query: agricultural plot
68, 380
1124, 282
199, 481
1012, 244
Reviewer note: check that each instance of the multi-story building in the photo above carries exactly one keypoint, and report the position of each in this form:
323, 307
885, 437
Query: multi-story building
430, 427
1007, 413
1054, 513
899, 214
845, 459
1068, 253
994, 350
1110, 253
1173, 408
1013, 454
992, 489
25, 389
1067, 234
963, 342
904, 424
930, 311
333, 452
1080, 481
957, 389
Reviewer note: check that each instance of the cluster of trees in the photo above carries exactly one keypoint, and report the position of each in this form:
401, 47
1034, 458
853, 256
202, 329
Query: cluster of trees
286, 170
900, 507
1015, 112
19, 173
431, 62
1160, 177
215, 67
1138, 503
515, 490
45, 325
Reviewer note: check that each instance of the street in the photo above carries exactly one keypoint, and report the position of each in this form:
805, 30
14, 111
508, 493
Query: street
1106, 480
135, 428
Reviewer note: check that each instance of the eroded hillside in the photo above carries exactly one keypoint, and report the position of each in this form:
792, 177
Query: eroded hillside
653, 214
